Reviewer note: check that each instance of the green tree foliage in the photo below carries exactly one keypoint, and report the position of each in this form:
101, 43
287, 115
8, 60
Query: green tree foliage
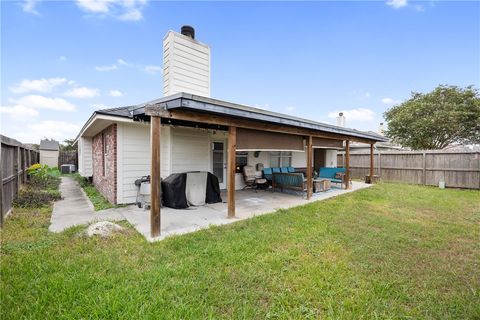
68, 145
434, 120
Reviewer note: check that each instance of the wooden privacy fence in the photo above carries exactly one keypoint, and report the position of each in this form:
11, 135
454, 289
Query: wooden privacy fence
457, 169
68, 157
15, 159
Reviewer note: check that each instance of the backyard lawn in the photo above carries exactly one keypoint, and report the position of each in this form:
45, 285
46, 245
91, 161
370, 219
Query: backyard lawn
390, 251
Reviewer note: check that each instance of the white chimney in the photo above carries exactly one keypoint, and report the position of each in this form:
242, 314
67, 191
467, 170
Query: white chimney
341, 122
381, 128
186, 64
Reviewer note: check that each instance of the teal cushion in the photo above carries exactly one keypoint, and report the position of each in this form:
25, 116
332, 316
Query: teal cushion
330, 173
267, 173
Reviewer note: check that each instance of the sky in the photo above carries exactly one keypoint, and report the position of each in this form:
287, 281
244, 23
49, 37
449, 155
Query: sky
62, 60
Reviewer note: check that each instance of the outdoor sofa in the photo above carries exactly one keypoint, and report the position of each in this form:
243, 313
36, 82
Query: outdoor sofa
335, 175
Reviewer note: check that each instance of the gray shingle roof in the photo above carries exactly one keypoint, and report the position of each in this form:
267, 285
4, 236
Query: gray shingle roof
119, 111
49, 145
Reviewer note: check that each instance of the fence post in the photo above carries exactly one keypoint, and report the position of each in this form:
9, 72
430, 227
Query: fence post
424, 176
379, 163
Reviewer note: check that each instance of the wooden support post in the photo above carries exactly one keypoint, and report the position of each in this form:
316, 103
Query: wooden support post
231, 153
155, 183
347, 165
372, 155
309, 168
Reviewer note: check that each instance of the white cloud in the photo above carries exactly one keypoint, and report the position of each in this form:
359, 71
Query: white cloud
131, 15
30, 6
397, 3
152, 69
82, 93
41, 102
94, 6
290, 108
40, 85
115, 93
390, 101
359, 114
122, 62
19, 112
419, 8
106, 68
58, 130
125, 10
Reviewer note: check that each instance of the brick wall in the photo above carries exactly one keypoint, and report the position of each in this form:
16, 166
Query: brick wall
105, 167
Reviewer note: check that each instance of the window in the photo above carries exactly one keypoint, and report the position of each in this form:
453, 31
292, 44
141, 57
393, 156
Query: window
280, 159
241, 161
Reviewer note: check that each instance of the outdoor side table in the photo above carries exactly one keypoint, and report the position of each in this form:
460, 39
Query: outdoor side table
321, 185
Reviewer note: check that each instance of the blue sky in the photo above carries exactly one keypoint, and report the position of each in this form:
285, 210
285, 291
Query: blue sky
62, 60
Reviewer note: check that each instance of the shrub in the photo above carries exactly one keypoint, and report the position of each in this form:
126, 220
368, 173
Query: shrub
46, 182
43, 176
35, 198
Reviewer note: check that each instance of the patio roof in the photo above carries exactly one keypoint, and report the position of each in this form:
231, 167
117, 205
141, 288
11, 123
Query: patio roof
185, 101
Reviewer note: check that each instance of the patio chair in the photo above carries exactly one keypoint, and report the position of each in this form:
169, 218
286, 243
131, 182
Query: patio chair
252, 181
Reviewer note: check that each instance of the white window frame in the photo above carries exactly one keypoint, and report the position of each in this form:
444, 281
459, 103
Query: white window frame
278, 157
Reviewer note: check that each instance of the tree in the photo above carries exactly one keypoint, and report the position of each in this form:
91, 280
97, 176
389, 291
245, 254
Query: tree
68, 145
434, 120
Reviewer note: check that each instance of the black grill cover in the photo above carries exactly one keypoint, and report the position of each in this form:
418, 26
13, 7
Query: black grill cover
173, 191
213, 189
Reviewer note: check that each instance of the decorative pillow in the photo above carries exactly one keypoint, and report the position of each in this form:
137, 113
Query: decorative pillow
339, 175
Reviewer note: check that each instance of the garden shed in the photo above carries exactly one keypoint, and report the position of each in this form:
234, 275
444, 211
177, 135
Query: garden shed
49, 151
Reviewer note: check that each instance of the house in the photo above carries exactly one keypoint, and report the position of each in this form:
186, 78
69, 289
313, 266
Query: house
187, 130
49, 151
387, 145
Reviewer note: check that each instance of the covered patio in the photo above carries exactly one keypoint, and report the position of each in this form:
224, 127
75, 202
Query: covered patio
248, 204
252, 129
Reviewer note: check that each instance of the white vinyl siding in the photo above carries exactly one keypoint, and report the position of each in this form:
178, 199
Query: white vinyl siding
190, 150
133, 157
331, 158
186, 65
49, 157
85, 161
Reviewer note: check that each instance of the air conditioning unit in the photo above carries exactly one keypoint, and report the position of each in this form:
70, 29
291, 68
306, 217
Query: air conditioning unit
67, 168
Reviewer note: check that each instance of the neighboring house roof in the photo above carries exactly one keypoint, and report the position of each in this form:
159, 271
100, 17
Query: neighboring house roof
214, 106
49, 145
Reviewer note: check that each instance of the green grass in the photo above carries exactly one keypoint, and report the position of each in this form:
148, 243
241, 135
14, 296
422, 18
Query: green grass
391, 251
98, 200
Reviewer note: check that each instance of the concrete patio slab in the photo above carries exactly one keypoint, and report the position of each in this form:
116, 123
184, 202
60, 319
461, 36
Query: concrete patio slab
247, 205
76, 209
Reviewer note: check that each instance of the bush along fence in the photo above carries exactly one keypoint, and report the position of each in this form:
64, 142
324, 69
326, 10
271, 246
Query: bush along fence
456, 169
15, 159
